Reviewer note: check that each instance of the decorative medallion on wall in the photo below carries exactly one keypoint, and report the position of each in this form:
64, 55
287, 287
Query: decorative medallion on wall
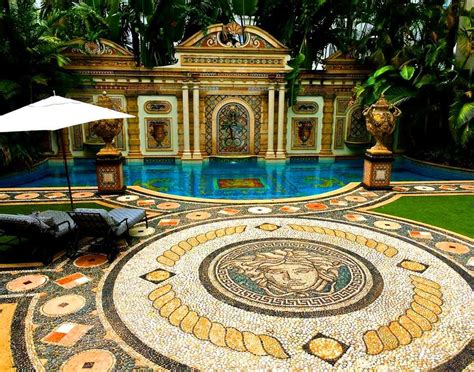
255, 103
303, 133
231, 35
158, 134
233, 132
305, 107
290, 277
356, 129
157, 107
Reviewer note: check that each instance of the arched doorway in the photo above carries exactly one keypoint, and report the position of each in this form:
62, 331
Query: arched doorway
233, 128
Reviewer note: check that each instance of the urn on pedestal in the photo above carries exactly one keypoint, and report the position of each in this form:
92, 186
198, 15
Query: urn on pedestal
109, 163
380, 120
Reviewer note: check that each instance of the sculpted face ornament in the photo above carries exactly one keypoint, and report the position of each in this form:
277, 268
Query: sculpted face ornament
289, 272
290, 277
380, 120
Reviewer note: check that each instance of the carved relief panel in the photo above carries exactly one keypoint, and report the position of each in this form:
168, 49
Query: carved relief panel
158, 125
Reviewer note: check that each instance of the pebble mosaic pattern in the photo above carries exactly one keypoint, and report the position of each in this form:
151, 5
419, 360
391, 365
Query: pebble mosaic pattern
159, 304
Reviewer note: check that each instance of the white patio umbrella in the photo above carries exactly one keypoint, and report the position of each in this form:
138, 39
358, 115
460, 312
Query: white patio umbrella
55, 113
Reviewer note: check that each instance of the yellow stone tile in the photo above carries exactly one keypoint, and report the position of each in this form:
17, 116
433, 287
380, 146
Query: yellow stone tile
428, 289
436, 300
6, 319
217, 334
412, 328
171, 306
230, 230
253, 344
326, 348
381, 247
390, 342
165, 261
371, 243
428, 304
403, 336
178, 250
163, 300
361, 240
186, 245
240, 228
171, 255
220, 232
178, 315
329, 232
373, 343
272, 347
202, 328
422, 322
160, 291
201, 238
189, 321
390, 252
424, 312
234, 339
421, 280
192, 241
210, 235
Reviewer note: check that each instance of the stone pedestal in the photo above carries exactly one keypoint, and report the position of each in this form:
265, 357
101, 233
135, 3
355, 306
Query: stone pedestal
109, 171
377, 171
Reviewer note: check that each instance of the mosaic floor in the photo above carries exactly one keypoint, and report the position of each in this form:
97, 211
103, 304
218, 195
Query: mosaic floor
320, 284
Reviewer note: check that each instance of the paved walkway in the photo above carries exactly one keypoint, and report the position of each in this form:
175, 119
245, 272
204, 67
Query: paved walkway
319, 283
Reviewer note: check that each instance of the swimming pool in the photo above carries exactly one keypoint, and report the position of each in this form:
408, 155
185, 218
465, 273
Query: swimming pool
233, 178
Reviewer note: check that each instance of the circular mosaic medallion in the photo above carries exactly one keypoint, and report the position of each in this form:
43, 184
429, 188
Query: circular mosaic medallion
168, 205
127, 198
290, 277
260, 210
424, 188
54, 195
83, 194
63, 305
90, 360
90, 260
387, 225
26, 196
316, 206
141, 231
26, 282
198, 216
355, 198
453, 247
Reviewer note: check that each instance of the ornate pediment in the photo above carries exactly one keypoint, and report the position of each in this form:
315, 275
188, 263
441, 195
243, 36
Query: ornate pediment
232, 36
101, 47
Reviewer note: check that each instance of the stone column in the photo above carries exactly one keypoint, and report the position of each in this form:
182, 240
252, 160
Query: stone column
133, 139
280, 153
186, 147
197, 146
328, 114
271, 122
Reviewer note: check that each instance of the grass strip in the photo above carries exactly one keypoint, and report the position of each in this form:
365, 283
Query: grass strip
450, 212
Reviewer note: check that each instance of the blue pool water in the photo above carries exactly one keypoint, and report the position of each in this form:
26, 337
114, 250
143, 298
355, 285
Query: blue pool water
234, 179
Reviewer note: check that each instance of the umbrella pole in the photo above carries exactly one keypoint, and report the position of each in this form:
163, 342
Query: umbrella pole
63, 149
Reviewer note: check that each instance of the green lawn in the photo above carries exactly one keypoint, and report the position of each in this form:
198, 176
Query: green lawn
450, 212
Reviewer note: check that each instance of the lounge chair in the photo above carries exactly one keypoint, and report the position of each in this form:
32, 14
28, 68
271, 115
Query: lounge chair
108, 226
45, 229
